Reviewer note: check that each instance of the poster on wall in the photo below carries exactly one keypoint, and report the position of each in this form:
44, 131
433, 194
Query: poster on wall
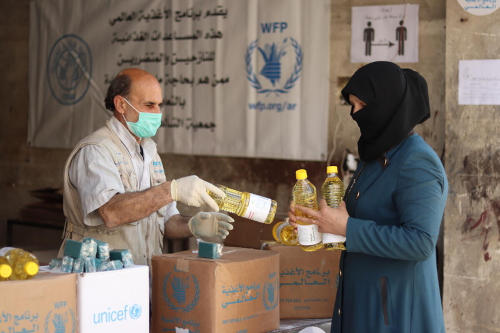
479, 82
388, 33
239, 78
479, 7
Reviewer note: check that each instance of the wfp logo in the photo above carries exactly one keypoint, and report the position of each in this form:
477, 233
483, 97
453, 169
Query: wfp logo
270, 295
181, 291
282, 62
69, 69
61, 319
110, 316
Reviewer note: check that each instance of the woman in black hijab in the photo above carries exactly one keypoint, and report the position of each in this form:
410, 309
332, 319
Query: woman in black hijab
392, 211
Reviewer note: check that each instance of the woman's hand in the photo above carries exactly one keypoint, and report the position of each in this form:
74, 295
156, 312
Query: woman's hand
329, 220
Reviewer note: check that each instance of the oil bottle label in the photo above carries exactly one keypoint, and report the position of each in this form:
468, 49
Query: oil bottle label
331, 238
258, 208
308, 234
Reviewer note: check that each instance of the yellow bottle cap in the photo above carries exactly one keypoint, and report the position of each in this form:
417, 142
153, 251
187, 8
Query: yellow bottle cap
332, 169
301, 174
5, 271
31, 268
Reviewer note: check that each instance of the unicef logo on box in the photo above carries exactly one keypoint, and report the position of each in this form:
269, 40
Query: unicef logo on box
69, 69
126, 312
282, 59
181, 291
135, 311
61, 319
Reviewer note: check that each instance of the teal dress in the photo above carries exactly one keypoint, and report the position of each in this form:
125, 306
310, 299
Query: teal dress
388, 276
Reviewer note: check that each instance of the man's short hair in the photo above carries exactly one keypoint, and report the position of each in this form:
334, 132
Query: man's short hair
120, 85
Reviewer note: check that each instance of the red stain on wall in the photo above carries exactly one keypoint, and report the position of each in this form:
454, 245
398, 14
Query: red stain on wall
495, 205
470, 224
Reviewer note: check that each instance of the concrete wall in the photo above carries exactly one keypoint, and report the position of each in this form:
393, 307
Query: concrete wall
472, 217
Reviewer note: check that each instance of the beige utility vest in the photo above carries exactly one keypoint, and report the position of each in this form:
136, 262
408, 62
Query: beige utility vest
144, 238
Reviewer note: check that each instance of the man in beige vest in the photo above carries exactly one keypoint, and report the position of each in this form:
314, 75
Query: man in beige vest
115, 187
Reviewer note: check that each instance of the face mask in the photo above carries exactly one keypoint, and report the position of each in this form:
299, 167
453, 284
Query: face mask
147, 124
369, 124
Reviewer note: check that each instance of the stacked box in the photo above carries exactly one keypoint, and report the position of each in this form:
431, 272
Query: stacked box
307, 281
114, 301
45, 303
239, 292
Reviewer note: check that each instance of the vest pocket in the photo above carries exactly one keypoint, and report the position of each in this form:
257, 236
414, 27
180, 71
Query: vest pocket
385, 299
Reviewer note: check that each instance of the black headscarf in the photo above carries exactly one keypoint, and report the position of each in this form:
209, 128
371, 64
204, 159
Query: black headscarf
396, 101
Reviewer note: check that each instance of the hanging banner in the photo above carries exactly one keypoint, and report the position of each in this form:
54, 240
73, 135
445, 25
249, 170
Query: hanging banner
241, 78
384, 33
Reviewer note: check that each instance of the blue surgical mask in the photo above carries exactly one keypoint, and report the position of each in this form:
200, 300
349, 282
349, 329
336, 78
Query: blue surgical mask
147, 124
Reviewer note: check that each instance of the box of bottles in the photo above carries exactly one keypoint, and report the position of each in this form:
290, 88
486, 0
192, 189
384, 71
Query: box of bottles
307, 281
238, 292
114, 301
44, 303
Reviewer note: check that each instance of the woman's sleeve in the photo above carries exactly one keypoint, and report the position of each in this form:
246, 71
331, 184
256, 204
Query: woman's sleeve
420, 198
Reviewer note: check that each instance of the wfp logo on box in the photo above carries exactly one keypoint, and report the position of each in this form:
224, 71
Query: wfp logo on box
181, 291
282, 59
61, 319
117, 315
270, 295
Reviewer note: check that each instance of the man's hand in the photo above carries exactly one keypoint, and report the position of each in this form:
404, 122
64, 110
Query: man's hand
211, 227
192, 191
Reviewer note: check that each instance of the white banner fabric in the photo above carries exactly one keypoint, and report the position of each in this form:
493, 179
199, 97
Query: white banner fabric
241, 78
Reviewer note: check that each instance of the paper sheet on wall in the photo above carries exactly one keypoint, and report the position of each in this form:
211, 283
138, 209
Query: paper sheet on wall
479, 7
241, 78
479, 82
387, 33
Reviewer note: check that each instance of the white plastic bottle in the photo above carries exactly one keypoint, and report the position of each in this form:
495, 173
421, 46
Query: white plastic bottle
304, 194
332, 191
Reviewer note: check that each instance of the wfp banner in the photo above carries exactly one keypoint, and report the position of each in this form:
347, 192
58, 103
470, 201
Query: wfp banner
240, 78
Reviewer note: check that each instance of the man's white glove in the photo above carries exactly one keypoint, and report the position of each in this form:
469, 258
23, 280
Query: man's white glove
192, 191
210, 226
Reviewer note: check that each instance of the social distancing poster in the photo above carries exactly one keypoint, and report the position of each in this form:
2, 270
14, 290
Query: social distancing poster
384, 33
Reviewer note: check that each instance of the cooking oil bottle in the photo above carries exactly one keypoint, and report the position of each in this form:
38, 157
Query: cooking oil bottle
304, 194
5, 269
24, 264
284, 233
332, 191
247, 205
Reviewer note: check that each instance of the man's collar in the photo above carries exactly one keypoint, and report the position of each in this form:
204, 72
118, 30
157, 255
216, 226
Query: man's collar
124, 134
129, 140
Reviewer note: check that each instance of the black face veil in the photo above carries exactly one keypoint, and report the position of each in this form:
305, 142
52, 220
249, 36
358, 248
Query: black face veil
396, 101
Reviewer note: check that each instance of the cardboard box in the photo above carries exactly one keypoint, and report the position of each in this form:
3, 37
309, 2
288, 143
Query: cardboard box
45, 303
114, 301
249, 234
236, 293
307, 281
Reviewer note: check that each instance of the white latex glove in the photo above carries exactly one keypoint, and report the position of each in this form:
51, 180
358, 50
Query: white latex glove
210, 226
192, 191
